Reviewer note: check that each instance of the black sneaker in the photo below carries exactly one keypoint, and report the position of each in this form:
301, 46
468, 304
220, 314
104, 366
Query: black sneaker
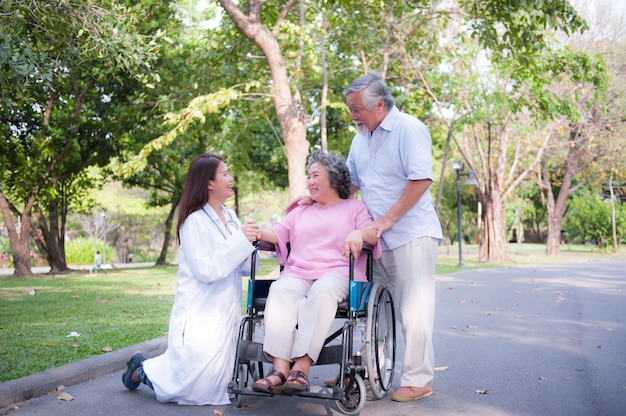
134, 363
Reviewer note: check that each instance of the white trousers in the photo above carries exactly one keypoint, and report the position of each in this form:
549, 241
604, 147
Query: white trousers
309, 305
409, 272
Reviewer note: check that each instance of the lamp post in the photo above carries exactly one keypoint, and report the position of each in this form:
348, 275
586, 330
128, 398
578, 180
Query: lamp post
104, 237
458, 166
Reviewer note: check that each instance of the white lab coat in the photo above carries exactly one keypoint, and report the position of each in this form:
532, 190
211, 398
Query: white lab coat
198, 363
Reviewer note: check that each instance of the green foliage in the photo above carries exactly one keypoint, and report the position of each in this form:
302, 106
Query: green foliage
589, 220
80, 251
517, 29
70, 94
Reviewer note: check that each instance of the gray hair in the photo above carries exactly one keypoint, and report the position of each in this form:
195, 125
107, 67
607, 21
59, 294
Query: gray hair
337, 171
374, 89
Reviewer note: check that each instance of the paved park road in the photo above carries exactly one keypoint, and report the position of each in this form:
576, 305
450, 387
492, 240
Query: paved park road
528, 340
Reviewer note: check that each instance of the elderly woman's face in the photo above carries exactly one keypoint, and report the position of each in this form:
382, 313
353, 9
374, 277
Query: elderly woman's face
318, 181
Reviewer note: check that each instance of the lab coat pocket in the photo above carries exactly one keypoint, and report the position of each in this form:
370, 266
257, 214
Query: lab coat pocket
206, 334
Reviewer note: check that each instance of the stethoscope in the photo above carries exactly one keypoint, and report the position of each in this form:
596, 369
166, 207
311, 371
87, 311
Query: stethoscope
231, 224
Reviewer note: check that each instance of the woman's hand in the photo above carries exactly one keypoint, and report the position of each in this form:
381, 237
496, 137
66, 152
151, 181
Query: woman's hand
353, 244
251, 230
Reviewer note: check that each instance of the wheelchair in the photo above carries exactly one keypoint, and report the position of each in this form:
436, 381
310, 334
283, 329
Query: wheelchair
364, 347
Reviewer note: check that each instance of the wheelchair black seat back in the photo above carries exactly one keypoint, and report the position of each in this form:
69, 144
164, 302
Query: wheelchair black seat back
367, 315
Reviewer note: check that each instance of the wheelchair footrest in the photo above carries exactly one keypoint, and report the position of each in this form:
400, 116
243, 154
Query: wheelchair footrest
252, 351
330, 354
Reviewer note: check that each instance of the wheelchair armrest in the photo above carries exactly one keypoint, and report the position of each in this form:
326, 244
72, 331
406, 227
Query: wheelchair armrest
264, 245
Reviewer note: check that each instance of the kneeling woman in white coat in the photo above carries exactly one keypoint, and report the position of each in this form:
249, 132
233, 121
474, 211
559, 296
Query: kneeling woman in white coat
214, 250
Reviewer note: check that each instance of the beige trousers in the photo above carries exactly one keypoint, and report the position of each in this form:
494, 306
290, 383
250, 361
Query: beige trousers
409, 272
309, 305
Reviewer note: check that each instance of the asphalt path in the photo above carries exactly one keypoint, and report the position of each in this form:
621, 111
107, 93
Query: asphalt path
525, 340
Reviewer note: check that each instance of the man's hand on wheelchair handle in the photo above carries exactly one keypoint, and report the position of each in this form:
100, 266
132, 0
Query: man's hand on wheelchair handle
380, 225
299, 200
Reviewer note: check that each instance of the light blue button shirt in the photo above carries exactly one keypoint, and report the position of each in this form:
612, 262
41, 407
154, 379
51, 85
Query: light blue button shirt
382, 162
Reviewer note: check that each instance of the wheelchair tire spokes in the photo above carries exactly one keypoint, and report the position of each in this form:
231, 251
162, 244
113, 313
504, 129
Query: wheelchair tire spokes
380, 347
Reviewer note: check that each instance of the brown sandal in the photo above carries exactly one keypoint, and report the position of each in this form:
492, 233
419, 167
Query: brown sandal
265, 384
297, 382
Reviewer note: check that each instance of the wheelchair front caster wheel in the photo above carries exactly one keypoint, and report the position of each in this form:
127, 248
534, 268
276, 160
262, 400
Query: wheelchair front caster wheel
354, 397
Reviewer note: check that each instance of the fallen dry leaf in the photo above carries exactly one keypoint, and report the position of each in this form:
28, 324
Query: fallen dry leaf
48, 344
106, 349
76, 345
218, 412
105, 300
481, 391
442, 368
65, 396
543, 378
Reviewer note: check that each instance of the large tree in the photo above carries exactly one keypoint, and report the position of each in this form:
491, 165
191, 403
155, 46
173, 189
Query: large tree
590, 148
292, 122
71, 75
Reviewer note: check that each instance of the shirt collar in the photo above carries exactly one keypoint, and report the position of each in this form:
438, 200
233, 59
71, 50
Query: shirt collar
387, 123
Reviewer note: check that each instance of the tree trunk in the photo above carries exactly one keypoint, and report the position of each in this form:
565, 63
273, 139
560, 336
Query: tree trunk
553, 243
18, 238
167, 234
494, 220
49, 240
292, 124
555, 207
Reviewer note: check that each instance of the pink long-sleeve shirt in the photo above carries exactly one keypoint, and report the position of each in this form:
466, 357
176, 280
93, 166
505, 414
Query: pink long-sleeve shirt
317, 234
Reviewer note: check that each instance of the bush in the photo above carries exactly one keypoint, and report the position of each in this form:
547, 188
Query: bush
82, 251
589, 220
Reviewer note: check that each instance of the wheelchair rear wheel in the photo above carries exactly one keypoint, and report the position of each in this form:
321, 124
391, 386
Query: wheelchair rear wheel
380, 340
354, 397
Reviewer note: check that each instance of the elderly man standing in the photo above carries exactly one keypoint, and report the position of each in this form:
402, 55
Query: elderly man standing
390, 161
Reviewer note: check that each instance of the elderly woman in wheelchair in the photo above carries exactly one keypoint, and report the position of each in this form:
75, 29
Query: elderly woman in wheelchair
302, 302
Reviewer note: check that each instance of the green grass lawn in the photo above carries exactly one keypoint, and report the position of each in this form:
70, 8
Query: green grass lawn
124, 307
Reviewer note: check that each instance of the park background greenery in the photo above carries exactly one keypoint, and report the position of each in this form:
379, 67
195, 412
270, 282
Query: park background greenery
104, 103
529, 95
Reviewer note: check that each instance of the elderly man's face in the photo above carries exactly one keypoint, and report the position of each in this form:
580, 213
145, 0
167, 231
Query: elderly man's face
365, 120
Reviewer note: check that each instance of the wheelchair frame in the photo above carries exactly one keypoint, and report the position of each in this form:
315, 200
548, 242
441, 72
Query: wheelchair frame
367, 301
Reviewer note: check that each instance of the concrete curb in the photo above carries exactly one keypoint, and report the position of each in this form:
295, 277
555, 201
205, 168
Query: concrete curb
40, 384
